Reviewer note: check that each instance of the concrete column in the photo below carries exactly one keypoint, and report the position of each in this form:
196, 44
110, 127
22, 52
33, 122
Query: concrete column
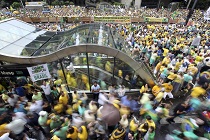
137, 3
126, 2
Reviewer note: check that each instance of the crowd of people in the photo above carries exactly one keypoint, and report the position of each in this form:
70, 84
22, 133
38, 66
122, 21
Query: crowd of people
178, 56
77, 11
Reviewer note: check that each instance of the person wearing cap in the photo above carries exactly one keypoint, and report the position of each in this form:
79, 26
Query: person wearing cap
42, 120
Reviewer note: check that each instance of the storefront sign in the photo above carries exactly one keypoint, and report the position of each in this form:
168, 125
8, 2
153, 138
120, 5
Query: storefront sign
11, 73
109, 19
39, 72
153, 19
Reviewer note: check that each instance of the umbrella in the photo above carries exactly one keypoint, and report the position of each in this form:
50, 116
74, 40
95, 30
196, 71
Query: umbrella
110, 114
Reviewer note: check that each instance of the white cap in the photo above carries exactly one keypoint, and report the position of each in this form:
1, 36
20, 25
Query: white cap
42, 113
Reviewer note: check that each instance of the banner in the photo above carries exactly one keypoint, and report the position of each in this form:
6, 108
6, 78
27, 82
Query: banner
35, 3
110, 19
153, 19
39, 72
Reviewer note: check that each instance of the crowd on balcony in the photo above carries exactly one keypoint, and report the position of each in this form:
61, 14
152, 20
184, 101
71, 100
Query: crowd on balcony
77, 11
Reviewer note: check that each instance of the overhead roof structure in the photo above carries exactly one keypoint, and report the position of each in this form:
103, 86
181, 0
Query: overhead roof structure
23, 43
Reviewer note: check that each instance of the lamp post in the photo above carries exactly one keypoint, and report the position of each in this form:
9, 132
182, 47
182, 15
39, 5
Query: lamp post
188, 4
191, 12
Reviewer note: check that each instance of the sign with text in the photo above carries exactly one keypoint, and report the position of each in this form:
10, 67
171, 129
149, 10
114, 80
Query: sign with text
39, 72
11, 73
110, 19
153, 19
40, 3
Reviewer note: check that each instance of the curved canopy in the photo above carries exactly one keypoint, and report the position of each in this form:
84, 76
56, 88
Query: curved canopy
24, 44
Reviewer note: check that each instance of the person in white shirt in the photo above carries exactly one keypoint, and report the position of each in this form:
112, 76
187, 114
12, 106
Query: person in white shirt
121, 91
16, 126
95, 88
19, 115
47, 91
12, 100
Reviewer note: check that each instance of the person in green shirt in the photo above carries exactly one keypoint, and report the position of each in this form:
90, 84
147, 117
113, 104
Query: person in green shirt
54, 92
61, 132
150, 134
37, 96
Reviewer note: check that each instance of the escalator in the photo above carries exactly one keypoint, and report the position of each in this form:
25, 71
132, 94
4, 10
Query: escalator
104, 78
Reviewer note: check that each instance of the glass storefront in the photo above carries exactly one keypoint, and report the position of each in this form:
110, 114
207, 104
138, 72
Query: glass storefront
79, 71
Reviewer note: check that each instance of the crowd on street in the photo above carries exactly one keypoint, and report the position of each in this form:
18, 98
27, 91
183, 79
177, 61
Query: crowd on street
177, 55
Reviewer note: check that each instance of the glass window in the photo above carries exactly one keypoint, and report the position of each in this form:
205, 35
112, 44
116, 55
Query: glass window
3, 44
22, 42
8, 37
14, 30
13, 49
35, 35
22, 25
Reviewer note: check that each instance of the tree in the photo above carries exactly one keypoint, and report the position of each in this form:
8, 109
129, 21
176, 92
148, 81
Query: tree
16, 5
67, 2
56, 2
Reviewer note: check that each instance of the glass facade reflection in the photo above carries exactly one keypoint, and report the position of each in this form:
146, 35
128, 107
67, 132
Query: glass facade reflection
30, 41
26, 40
81, 70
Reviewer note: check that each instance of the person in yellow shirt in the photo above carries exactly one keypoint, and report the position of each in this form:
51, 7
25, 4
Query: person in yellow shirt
158, 98
63, 99
172, 75
143, 129
177, 83
156, 89
133, 126
57, 81
177, 65
157, 68
1, 88
198, 58
82, 133
197, 91
72, 133
150, 122
165, 52
192, 69
168, 88
166, 60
